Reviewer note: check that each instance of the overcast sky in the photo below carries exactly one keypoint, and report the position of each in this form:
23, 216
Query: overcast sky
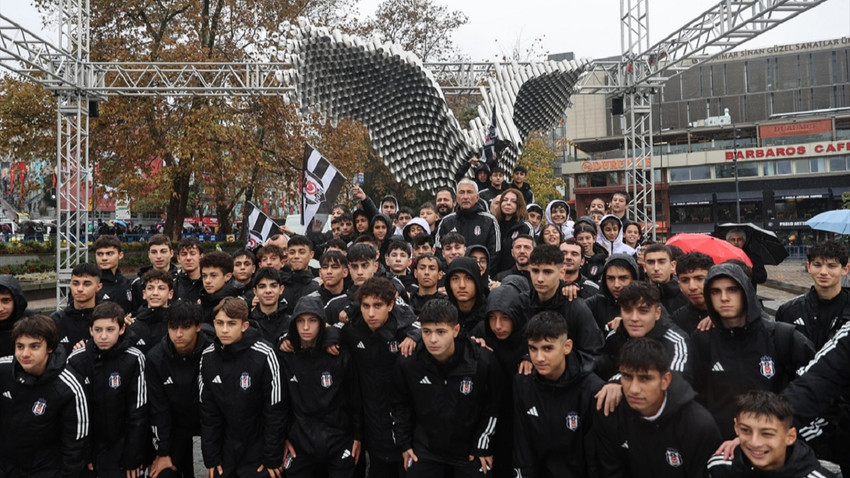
586, 28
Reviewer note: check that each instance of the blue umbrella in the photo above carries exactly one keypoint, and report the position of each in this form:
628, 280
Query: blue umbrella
837, 221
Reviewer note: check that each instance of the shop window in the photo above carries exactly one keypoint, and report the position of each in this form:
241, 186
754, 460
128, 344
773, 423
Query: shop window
680, 174
581, 181
700, 173
748, 169
838, 163
597, 180
817, 165
723, 171
776, 168
698, 214
802, 165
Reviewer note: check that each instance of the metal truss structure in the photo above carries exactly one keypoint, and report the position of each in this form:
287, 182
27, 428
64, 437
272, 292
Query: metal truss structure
64, 69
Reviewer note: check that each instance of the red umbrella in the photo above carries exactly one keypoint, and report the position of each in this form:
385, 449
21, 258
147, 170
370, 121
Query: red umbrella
718, 249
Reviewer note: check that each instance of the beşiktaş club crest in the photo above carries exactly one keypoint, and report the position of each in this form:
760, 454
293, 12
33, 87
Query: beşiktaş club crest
39, 407
314, 193
573, 421
466, 386
766, 367
245, 381
674, 458
327, 380
514, 235
114, 380
393, 346
477, 230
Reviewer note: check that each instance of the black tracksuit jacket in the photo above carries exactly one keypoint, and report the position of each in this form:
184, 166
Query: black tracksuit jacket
728, 362
209, 301
271, 326
299, 284
150, 327
326, 412
174, 393
447, 412
375, 355
243, 412
800, 462
803, 313
118, 399
44, 421
688, 317
553, 421
674, 339
186, 288
677, 444
116, 288
583, 331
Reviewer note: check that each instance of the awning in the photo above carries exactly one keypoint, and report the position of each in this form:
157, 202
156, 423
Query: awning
745, 196
690, 199
814, 193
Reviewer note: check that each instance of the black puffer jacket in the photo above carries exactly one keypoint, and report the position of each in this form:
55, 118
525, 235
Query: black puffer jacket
44, 427
150, 327
730, 361
116, 288
73, 325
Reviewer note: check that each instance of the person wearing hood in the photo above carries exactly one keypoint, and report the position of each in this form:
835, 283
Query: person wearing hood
745, 350
73, 321
619, 271
509, 209
325, 411
641, 313
171, 369
415, 227
471, 220
243, 414
518, 177
116, 287
480, 172
44, 419
770, 445
535, 217
594, 254
659, 430
151, 321
389, 205
558, 213
554, 407
546, 265
13, 307
114, 374
467, 290
610, 236
481, 256
502, 332
216, 276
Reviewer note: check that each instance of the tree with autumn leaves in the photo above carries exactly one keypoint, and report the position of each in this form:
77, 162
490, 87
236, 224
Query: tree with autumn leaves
161, 152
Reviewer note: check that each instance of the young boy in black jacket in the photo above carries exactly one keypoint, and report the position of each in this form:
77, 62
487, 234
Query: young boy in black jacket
554, 407
243, 415
114, 372
151, 325
447, 398
659, 430
325, 413
73, 321
172, 377
217, 278
269, 316
44, 416
116, 287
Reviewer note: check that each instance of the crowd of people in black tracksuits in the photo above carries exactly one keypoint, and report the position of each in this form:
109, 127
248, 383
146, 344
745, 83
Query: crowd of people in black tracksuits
482, 334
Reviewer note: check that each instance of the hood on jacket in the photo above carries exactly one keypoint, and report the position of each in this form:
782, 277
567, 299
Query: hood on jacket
55, 365
310, 304
469, 266
385, 219
405, 232
479, 168
478, 247
625, 261
734, 272
617, 246
517, 282
506, 299
566, 227
586, 220
9, 283
391, 198
534, 207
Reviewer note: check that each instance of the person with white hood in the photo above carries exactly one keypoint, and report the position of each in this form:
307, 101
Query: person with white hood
558, 213
611, 236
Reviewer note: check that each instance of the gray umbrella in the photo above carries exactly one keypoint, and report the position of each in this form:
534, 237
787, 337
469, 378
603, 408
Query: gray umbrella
760, 241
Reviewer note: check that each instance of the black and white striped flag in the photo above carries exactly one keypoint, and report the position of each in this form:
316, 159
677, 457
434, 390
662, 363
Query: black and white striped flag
260, 226
322, 184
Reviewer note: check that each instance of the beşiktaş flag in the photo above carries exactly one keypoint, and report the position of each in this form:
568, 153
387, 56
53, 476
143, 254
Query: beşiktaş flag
259, 226
321, 186
488, 152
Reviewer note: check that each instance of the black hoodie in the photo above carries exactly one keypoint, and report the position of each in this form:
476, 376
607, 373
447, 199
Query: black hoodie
9, 283
117, 393
467, 265
604, 306
243, 415
44, 421
728, 362
800, 462
553, 421
325, 410
676, 444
